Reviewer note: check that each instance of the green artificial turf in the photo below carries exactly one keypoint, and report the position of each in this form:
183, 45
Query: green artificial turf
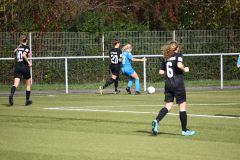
118, 127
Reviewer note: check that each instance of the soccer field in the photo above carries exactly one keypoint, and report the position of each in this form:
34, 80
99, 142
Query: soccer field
114, 127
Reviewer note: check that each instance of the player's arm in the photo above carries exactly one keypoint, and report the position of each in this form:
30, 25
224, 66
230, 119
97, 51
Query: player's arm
162, 68
181, 66
161, 72
26, 59
17, 48
139, 59
120, 57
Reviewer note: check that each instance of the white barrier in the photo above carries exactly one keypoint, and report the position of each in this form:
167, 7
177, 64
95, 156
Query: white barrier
144, 63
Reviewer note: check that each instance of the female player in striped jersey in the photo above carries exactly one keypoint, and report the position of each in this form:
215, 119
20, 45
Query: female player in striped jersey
115, 66
173, 68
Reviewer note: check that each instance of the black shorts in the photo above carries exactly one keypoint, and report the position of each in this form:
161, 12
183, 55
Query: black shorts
115, 69
22, 70
179, 93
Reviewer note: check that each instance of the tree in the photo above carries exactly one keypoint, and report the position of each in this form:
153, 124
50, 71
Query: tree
209, 14
106, 15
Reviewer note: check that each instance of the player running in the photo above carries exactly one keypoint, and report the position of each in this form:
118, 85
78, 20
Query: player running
115, 66
172, 68
22, 68
127, 69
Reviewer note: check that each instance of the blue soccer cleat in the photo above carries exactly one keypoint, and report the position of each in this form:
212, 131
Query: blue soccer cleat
188, 133
154, 127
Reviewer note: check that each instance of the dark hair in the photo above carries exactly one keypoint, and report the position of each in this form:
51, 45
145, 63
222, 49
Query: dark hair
114, 42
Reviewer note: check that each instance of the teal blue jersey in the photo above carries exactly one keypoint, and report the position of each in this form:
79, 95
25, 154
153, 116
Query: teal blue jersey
126, 59
238, 62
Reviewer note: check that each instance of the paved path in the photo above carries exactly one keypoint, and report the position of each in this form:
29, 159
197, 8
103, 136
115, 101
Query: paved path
52, 92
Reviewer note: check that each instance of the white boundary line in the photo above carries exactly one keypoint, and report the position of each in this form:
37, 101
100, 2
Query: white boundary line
133, 112
154, 105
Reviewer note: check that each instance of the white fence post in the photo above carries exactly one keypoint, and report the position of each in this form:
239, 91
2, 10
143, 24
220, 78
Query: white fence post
103, 45
66, 74
30, 46
174, 35
144, 76
221, 70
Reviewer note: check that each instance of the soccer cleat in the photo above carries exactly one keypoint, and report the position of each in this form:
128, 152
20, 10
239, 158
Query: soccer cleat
188, 133
154, 127
137, 93
117, 91
10, 100
128, 90
28, 102
100, 90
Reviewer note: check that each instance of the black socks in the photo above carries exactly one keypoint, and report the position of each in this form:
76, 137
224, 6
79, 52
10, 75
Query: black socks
28, 95
183, 119
162, 113
182, 115
116, 84
13, 89
110, 81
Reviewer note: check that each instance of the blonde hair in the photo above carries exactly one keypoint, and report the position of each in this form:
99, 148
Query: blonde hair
169, 49
126, 47
23, 39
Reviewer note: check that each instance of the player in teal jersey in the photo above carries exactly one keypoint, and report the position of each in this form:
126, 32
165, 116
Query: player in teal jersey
127, 69
238, 62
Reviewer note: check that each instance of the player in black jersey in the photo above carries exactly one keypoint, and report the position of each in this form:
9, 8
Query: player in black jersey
173, 68
22, 69
115, 66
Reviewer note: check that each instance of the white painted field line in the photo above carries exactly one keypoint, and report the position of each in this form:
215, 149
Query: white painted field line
134, 112
196, 104
213, 104
98, 110
159, 105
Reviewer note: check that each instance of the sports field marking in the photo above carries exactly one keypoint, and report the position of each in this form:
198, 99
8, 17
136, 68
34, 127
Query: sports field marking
159, 105
153, 105
214, 104
133, 112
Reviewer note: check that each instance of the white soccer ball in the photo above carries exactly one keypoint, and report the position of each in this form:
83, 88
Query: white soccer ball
151, 90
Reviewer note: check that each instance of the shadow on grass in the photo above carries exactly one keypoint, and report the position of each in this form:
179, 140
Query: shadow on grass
47, 119
160, 133
6, 105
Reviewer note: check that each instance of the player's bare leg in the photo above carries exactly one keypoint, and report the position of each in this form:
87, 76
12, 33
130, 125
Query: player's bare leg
137, 83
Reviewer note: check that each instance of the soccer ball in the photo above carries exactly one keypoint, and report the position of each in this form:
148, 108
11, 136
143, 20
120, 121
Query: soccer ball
151, 90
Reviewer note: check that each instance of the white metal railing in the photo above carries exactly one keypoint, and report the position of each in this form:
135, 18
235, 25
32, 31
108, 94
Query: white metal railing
144, 63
